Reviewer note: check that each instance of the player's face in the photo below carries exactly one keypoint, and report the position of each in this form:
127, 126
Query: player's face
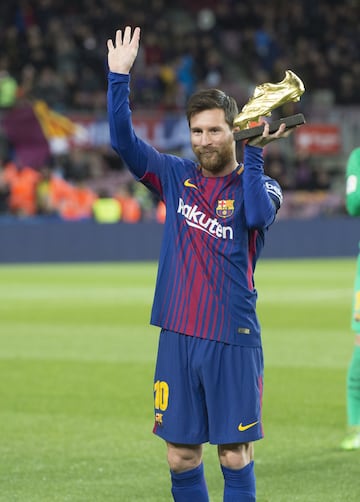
213, 142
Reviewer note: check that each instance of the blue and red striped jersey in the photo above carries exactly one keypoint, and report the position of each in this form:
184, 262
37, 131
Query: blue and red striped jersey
213, 234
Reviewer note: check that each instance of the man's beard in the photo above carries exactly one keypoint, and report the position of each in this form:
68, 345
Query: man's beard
214, 160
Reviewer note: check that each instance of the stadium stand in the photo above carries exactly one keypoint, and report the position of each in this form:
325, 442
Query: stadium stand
55, 52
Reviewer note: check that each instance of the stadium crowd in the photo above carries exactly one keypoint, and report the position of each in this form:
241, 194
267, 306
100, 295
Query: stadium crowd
56, 51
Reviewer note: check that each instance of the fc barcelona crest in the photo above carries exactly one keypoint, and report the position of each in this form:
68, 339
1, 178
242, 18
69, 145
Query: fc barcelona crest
225, 208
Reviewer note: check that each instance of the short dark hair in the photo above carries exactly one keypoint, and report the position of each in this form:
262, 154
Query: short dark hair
209, 99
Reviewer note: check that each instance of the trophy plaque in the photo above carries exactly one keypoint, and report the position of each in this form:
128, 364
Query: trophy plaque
266, 98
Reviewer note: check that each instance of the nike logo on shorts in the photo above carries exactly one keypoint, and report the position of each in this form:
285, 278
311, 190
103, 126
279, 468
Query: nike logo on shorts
243, 428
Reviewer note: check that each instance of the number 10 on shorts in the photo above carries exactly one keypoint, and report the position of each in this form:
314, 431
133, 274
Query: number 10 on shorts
161, 395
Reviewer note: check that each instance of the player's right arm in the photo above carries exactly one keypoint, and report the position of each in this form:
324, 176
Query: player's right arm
353, 183
138, 155
121, 57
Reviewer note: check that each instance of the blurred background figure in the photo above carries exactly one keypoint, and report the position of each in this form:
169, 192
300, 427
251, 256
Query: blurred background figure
131, 211
352, 440
22, 181
106, 209
8, 86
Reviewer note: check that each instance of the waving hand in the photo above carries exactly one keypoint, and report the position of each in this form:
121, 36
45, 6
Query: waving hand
122, 54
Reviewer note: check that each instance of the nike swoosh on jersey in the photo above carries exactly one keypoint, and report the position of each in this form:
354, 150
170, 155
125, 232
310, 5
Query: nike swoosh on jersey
188, 184
243, 428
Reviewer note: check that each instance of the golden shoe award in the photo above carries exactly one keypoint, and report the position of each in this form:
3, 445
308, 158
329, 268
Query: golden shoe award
265, 99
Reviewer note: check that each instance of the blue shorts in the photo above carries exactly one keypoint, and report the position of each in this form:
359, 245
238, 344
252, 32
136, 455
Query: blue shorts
207, 391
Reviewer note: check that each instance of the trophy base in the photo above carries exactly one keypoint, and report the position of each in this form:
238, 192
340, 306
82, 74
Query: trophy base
251, 132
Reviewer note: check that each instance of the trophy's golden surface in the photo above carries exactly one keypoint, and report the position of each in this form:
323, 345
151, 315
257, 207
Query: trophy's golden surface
269, 96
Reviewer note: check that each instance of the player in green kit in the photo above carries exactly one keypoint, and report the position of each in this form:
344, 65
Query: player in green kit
352, 440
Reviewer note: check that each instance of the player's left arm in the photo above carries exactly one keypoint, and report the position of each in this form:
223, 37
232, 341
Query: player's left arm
262, 195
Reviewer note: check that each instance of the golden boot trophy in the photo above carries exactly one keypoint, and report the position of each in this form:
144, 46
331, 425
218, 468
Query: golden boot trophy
266, 98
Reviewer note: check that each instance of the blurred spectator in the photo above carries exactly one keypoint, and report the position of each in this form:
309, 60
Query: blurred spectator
26, 82
52, 193
90, 95
130, 208
169, 86
76, 165
277, 167
106, 209
78, 204
304, 177
8, 86
146, 200
214, 73
22, 182
185, 75
50, 88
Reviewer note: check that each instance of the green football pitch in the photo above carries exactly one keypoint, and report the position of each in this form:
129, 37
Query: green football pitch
76, 366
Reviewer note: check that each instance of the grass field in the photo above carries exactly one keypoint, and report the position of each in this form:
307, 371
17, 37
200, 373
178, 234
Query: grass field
76, 366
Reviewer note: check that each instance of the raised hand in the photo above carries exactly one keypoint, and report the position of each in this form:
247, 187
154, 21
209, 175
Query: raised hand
122, 54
